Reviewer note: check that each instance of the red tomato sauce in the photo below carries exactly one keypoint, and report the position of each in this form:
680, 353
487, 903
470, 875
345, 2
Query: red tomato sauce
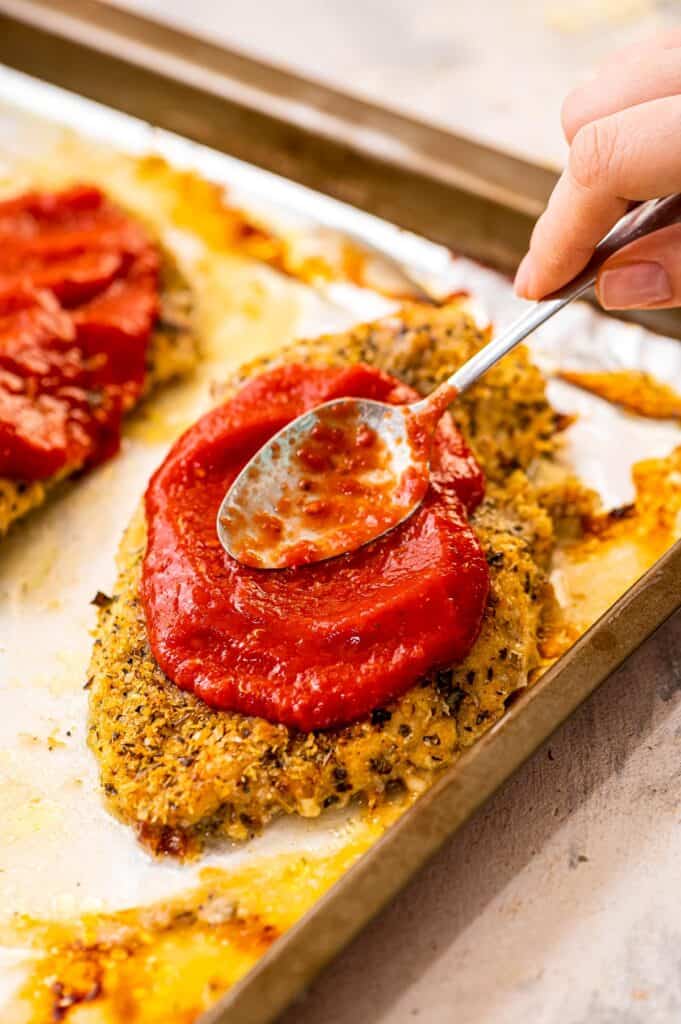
318, 645
79, 297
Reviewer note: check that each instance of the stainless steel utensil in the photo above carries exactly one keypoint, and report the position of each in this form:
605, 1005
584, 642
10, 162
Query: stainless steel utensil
271, 481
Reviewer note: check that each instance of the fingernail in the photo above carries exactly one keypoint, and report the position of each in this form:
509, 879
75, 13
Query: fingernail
634, 285
522, 276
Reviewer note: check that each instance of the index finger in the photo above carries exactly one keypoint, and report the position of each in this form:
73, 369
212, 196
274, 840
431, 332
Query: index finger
669, 39
621, 86
633, 154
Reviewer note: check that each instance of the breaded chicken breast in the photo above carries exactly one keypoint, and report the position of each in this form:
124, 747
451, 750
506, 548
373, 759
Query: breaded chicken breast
180, 772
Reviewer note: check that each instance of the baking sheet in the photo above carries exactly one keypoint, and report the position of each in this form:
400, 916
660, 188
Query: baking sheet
62, 853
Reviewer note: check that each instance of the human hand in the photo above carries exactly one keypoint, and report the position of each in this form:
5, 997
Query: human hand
624, 131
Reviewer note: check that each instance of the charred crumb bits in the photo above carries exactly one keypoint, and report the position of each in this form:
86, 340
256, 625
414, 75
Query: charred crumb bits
165, 841
622, 512
379, 716
454, 699
512, 698
102, 600
66, 997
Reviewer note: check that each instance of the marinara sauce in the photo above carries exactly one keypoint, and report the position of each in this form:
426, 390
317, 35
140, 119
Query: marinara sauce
317, 645
79, 297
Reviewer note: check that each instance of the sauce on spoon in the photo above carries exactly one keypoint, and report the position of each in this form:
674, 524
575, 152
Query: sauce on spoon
342, 488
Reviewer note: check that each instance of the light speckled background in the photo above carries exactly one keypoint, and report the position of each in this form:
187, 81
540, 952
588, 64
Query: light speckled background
561, 902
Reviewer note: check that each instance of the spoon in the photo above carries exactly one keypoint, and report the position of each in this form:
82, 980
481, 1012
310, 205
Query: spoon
345, 473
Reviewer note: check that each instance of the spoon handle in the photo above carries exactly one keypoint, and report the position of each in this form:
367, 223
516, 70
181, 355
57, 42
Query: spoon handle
641, 220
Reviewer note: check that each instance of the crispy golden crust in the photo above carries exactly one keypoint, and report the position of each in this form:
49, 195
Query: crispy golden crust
172, 353
633, 390
177, 769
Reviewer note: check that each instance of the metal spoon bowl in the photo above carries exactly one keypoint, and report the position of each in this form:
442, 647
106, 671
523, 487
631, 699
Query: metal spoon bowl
266, 519
268, 490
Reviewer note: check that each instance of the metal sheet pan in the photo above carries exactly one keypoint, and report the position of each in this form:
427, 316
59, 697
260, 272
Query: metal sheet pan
461, 194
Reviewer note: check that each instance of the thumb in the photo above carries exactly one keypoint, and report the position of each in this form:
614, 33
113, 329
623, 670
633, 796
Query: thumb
645, 274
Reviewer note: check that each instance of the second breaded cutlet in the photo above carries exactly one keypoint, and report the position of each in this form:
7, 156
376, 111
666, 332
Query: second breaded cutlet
172, 352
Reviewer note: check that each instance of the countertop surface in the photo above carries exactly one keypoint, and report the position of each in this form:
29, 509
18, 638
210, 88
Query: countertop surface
560, 902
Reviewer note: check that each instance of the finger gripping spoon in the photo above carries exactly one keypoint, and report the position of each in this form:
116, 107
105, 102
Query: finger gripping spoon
345, 473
